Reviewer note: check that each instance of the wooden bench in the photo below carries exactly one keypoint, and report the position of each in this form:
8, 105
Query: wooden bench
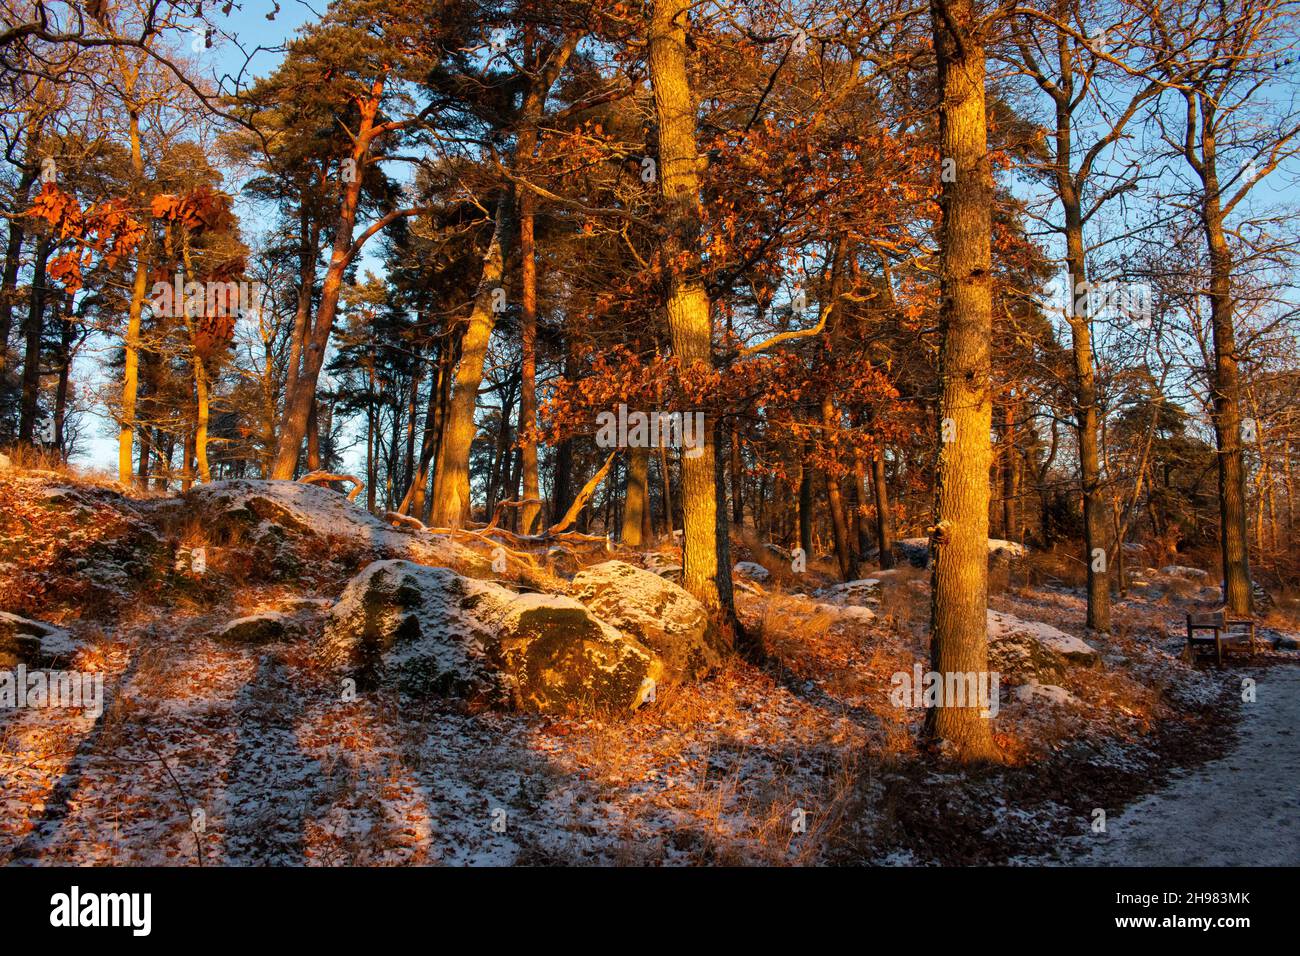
1216, 630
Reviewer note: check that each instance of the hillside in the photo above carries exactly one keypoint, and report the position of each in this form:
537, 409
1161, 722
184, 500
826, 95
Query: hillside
330, 689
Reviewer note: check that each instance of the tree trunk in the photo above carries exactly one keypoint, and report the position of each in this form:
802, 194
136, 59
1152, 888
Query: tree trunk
65, 373
843, 549
637, 499
413, 502
131, 344
880, 487
13, 257
34, 327
1085, 409
1010, 471
529, 513
737, 478
297, 403
313, 437
451, 501
805, 507
665, 476
959, 587
1227, 408
689, 318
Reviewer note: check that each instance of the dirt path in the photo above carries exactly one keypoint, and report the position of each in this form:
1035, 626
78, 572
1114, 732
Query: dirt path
1240, 810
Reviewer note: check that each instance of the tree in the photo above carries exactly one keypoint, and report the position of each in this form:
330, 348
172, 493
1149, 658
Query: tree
959, 582
688, 307
1220, 63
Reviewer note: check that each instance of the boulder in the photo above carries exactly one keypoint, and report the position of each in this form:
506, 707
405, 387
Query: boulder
846, 615
286, 525
264, 628
1033, 649
664, 565
916, 551
560, 658
1032, 691
296, 605
1181, 571
34, 643
434, 631
561, 562
861, 593
779, 551
751, 571
416, 625
1006, 551
654, 611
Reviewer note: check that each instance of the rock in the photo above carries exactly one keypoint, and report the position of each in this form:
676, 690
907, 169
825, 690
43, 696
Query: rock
415, 624
1006, 551
560, 658
435, 631
34, 643
284, 525
1051, 693
1033, 649
297, 605
861, 593
751, 571
842, 615
915, 551
1286, 642
561, 562
263, 628
654, 611
1180, 571
663, 565
779, 551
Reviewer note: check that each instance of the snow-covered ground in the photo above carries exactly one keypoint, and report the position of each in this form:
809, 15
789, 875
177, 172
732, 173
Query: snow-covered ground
1241, 810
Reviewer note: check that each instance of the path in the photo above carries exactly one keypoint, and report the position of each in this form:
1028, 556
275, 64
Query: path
1241, 810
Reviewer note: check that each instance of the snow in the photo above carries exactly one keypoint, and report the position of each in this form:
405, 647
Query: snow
1003, 548
847, 615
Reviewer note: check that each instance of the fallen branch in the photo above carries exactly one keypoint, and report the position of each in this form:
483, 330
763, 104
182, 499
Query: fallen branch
399, 520
584, 496
324, 477
514, 503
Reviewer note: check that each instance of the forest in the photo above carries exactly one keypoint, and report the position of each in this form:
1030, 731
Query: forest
650, 432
